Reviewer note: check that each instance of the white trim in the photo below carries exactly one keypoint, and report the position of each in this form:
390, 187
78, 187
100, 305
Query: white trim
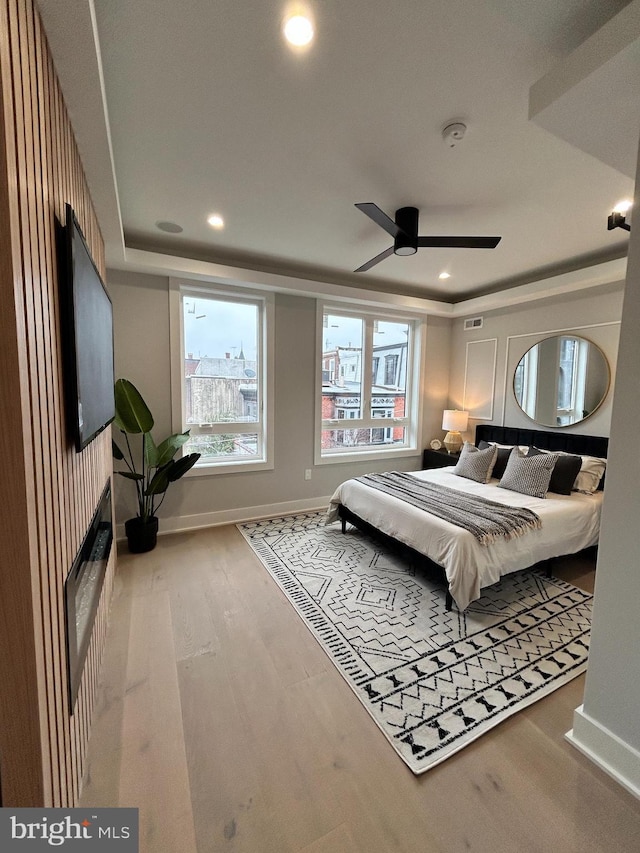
176, 359
138, 260
180, 523
369, 455
493, 377
266, 346
536, 334
412, 423
553, 285
609, 752
155, 263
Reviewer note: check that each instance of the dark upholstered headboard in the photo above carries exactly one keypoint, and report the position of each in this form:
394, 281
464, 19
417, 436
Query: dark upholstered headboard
588, 445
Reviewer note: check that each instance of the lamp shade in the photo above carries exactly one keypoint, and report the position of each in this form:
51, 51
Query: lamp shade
454, 420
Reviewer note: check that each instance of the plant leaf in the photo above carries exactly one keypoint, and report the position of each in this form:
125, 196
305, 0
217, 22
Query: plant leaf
159, 482
167, 449
130, 475
150, 451
117, 453
132, 413
175, 470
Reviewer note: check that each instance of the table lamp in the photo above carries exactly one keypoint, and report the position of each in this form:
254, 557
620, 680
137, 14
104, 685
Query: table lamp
455, 422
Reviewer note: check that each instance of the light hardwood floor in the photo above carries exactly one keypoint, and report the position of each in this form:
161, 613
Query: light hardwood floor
221, 718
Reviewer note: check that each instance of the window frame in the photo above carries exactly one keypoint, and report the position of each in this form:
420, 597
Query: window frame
412, 419
181, 289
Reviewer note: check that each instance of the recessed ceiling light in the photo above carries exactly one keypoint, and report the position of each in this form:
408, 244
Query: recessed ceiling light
444, 275
169, 227
216, 221
623, 206
298, 30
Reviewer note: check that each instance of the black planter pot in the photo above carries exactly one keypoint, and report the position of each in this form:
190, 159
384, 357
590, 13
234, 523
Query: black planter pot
141, 535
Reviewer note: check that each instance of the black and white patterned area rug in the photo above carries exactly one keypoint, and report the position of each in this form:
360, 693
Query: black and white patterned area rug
432, 680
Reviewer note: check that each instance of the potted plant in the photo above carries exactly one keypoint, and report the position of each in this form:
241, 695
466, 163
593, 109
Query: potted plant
157, 467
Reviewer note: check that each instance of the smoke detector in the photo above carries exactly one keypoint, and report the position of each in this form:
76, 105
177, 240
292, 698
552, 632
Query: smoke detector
453, 134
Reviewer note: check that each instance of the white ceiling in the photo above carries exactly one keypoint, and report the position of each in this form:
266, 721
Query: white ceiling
202, 108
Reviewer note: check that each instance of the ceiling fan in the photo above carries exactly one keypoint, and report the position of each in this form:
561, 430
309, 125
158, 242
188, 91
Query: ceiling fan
405, 235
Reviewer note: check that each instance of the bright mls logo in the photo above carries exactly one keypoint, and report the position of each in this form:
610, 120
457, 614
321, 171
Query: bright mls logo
70, 829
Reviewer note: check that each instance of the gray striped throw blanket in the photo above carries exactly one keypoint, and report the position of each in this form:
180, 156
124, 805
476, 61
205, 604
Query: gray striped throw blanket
485, 519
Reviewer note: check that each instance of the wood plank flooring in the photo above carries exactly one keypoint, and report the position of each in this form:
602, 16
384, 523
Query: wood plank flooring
220, 717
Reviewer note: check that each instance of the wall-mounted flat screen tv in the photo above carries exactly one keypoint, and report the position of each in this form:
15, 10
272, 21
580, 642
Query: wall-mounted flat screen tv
87, 324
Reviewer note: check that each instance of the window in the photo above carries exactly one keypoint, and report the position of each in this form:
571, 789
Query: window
378, 372
219, 375
390, 367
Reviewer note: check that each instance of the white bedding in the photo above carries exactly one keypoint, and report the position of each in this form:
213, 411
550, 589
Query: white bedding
569, 524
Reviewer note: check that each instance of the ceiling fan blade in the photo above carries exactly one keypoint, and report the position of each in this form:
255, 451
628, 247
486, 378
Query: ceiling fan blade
379, 217
375, 260
458, 242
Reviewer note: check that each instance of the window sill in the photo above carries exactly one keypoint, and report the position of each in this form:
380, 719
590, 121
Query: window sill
213, 468
366, 456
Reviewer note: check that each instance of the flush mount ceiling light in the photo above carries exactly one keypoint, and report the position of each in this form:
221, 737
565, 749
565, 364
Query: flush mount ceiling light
444, 275
216, 221
298, 30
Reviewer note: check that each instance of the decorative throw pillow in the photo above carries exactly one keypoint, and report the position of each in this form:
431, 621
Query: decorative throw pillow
529, 475
564, 473
591, 472
501, 460
476, 464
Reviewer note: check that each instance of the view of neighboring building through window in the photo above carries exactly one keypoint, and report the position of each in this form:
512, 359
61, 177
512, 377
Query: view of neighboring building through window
353, 392
223, 377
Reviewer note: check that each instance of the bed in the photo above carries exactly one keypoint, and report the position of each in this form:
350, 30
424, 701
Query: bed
568, 523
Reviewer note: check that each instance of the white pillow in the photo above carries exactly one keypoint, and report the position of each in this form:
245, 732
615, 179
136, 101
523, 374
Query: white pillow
522, 447
590, 474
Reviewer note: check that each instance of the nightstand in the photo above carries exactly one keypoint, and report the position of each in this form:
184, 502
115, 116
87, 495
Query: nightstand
438, 458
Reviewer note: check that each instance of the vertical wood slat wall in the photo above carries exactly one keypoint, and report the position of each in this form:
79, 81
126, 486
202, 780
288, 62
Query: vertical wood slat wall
48, 492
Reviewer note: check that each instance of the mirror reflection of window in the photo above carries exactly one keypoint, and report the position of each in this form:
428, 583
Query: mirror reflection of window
574, 355
525, 380
561, 380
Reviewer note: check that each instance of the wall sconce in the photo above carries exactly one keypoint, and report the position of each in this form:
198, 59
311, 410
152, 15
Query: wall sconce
617, 220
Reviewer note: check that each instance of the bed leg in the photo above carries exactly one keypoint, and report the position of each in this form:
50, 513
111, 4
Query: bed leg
344, 524
449, 600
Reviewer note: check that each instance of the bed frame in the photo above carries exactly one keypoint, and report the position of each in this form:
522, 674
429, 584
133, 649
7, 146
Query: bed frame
588, 445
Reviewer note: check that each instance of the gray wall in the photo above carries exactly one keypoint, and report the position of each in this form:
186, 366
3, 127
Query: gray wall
593, 314
141, 323
606, 727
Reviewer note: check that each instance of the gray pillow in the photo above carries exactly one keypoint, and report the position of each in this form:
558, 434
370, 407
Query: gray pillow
529, 475
476, 464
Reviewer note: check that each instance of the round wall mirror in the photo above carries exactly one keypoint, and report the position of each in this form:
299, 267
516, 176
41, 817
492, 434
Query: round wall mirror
561, 380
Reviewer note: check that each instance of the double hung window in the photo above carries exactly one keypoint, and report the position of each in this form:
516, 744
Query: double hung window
221, 353
369, 367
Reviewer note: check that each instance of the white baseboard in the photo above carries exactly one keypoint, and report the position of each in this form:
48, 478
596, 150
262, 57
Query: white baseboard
617, 758
180, 523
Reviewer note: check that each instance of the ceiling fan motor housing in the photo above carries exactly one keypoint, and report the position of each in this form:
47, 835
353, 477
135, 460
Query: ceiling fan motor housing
406, 240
